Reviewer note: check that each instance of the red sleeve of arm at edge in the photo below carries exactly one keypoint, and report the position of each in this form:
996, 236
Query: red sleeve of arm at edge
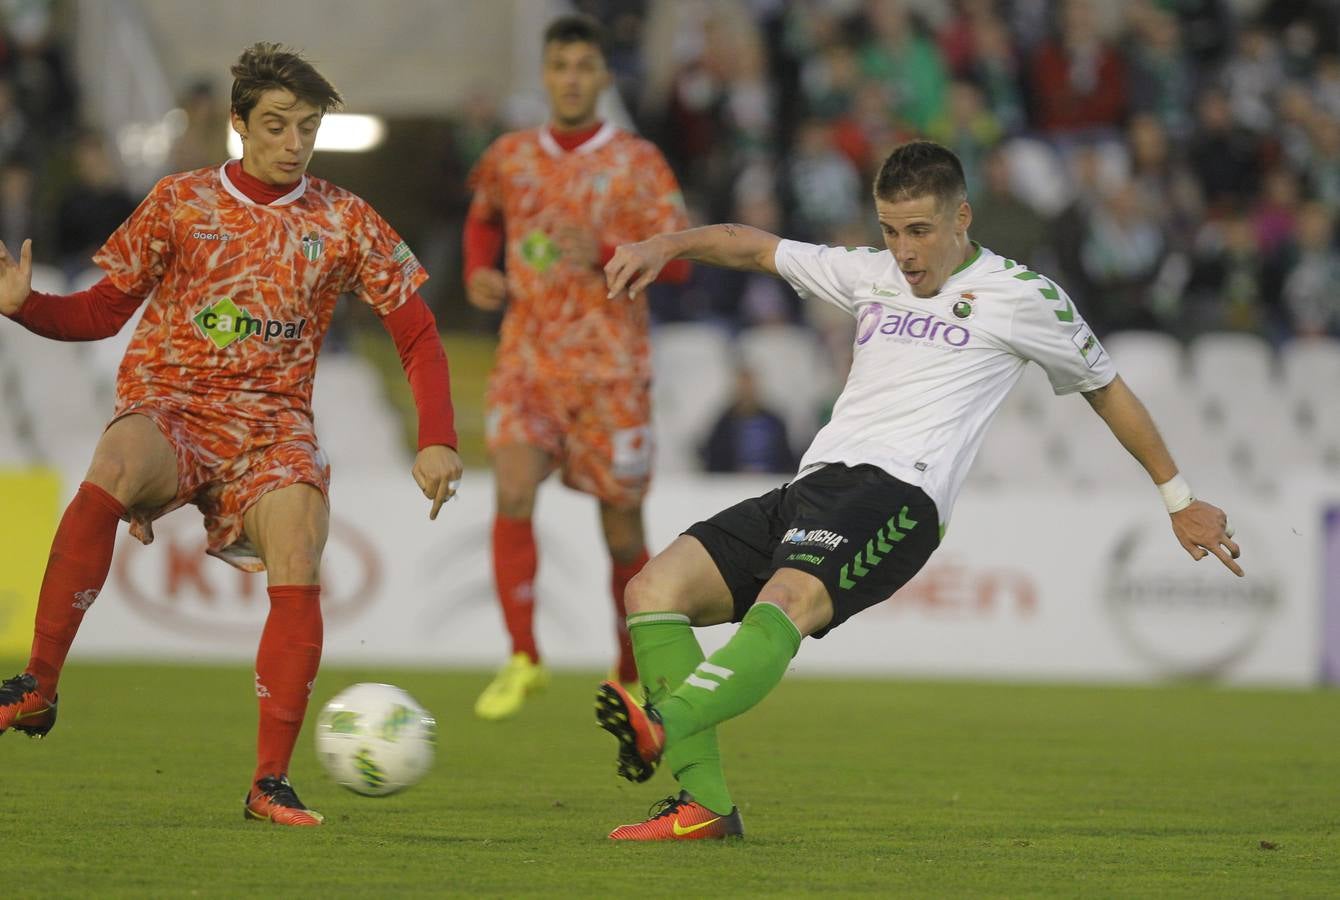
414, 331
483, 241
90, 315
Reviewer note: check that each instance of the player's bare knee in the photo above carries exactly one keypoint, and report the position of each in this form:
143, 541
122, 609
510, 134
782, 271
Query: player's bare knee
134, 463
640, 594
297, 565
516, 503
648, 593
117, 476
108, 473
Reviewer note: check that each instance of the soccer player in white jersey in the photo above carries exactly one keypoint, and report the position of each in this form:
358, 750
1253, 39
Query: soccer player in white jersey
944, 330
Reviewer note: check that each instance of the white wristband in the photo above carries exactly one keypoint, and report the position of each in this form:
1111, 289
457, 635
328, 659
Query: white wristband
1176, 494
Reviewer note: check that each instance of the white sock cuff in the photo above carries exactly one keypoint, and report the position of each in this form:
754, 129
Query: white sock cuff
653, 618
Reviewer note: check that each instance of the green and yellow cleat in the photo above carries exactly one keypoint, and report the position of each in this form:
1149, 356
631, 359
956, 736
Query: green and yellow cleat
509, 689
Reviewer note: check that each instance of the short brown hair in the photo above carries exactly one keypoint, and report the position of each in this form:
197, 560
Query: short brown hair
918, 168
265, 66
576, 29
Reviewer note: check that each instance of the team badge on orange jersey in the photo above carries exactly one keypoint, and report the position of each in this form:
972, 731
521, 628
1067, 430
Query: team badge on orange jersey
539, 251
312, 245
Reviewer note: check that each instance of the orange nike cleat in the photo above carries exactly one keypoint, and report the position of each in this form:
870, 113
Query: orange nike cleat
682, 819
638, 728
272, 799
23, 708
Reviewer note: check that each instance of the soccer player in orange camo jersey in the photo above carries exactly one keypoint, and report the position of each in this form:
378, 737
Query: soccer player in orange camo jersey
241, 265
571, 387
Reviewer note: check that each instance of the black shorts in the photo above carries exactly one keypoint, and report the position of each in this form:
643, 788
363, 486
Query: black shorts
859, 530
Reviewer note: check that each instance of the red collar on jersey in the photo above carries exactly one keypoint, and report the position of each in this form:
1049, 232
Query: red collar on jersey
571, 140
255, 189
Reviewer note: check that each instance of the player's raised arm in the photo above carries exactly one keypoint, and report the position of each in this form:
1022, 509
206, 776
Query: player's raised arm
1201, 527
634, 266
16, 278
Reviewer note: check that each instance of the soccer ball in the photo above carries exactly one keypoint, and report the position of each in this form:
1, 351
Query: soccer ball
375, 739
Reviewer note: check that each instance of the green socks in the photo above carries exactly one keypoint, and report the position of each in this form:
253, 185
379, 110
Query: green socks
694, 695
737, 676
667, 653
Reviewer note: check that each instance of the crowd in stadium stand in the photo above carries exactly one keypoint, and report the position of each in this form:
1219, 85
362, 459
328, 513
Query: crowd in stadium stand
1174, 164
38, 112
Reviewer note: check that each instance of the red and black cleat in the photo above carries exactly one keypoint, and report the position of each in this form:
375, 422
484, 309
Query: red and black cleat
272, 799
23, 708
638, 729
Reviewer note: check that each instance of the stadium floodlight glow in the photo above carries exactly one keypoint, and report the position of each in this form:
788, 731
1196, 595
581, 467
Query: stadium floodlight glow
347, 133
340, 133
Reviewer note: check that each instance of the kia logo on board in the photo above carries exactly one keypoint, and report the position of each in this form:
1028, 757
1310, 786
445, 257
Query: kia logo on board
1187, 618
950, 589
177, 587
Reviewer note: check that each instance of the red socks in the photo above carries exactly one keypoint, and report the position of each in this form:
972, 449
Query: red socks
515, 561
81, 556
619, 578
286, 665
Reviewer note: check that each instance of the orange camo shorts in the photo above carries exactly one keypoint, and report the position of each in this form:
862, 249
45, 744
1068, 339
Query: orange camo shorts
221, 477
598, 433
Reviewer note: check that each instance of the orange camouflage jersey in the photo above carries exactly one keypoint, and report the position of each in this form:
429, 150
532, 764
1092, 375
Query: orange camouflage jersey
240, 297
559, 320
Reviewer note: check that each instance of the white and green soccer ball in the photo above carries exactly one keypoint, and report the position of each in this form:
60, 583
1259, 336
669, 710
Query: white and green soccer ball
375, 739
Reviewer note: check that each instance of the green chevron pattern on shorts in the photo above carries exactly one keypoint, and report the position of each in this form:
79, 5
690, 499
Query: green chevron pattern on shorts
875, 549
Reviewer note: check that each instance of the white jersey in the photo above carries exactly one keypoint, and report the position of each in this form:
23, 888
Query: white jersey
928, 375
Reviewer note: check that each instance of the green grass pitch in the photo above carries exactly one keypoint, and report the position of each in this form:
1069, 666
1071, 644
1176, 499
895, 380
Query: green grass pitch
893, 788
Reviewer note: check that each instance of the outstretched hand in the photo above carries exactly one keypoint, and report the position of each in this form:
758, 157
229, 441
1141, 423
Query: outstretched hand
1202, 529
634, 266
437, 471
16, 278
